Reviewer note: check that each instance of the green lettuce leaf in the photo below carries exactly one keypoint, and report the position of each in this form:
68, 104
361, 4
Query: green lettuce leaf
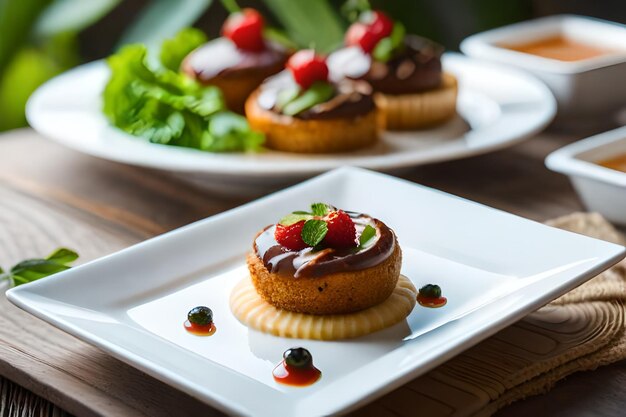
165, 106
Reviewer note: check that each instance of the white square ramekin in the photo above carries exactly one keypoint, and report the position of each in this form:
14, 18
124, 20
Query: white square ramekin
582, 88
601, 189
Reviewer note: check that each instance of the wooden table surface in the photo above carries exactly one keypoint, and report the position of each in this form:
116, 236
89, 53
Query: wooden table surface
51, 196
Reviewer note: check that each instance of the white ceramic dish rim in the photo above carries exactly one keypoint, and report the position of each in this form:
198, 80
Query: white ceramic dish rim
567, 280
177, 159
484, 44
567, 160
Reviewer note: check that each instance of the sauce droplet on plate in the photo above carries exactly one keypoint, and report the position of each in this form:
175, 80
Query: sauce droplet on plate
199, 329
296, 368
200, 321
430, 296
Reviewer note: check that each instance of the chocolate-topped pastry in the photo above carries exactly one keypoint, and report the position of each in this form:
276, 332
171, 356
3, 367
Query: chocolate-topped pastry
238, 61
413, 69
301, 110
326, 261
404, 71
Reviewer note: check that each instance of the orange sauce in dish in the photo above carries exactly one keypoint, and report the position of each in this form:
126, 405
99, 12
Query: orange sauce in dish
560, 48
617, 163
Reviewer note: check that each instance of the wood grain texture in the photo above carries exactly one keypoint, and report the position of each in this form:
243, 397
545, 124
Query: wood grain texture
50, 196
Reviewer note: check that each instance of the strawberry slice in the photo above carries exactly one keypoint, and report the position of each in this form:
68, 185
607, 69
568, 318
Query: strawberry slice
341, 231
245, 29
290, 236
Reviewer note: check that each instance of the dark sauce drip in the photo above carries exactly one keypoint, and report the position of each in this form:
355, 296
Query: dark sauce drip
311, 263
199, 329
291, 375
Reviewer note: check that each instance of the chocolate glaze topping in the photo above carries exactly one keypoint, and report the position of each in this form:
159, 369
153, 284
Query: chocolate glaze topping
311, 263
352, 98
221, 57
415, 68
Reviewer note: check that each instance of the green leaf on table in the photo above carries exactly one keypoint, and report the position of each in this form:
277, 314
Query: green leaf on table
33, 269
314, 231
174, 50
318, 93
368, 233
63, 256
320, 209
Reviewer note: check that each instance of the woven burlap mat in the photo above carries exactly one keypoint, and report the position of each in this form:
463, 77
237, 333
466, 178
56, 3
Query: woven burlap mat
581, 330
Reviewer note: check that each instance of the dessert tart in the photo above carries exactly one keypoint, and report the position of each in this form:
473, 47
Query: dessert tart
324, 274
238, 61
405, 72
300, 110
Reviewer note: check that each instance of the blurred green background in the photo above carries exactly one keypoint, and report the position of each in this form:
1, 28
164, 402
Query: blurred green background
42, 38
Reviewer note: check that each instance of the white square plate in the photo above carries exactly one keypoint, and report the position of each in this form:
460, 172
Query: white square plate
493, 267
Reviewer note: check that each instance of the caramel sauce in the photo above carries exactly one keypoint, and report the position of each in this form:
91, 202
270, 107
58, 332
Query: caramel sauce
299, 377
560, 48
431, 302
200, 330
617, 163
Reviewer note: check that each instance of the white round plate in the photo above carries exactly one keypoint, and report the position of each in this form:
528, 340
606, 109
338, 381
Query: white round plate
497, 107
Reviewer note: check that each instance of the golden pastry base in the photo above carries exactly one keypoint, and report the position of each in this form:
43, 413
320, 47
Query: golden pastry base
256, 313
419, 110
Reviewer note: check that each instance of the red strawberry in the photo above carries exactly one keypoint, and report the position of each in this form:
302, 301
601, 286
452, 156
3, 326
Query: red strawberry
245, 29
381, 25
290, 236
366, 33
341, 231
307, 67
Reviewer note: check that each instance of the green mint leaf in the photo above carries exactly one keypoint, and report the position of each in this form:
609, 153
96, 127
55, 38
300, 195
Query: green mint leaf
368, 233
285, 97
397, 34
293, 218
62, 256
314, 232
319, 92
301, 212
319, 209
385, 48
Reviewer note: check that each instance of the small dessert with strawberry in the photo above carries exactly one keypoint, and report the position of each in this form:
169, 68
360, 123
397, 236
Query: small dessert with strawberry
238, 61
331, 270
410, 88
301, 110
